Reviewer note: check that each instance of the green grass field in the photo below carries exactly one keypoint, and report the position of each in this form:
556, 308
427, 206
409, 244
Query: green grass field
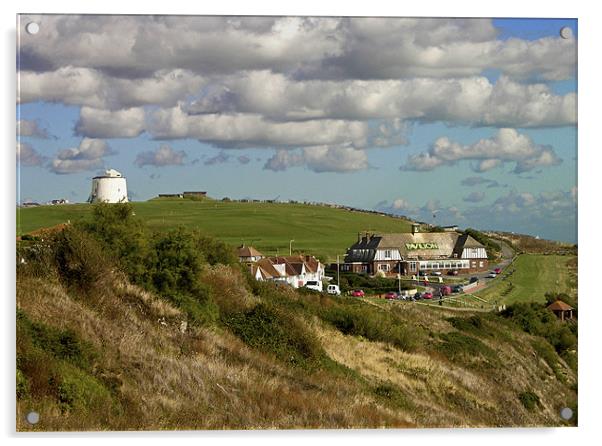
269, 227
533, 276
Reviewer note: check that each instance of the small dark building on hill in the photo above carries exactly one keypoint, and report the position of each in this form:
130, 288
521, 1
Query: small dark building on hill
412, 252
561, 309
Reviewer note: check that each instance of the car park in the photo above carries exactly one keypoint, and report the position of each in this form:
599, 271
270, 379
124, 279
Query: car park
358, 293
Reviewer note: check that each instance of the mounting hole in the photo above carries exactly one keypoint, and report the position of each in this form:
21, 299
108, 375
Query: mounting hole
566, 32
566, 413
32, 28
33, 417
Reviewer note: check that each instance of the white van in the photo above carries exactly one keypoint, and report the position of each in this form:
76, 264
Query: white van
314, 285
333, 289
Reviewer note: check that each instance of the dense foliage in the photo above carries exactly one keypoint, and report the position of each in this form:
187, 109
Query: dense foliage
537, 320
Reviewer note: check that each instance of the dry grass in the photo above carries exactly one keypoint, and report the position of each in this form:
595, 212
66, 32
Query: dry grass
200, 379
167, 375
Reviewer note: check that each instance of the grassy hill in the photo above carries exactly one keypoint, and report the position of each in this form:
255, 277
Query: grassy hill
269, 227
120, 328
531, 276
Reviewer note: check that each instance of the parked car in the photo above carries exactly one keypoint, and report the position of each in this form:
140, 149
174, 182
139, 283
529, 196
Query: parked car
436, 273
333, 289
422, 273
427, 295
474, 279
497, 270
417, 296
492, 275
457, 288
358, 293
452, 272
391, 295
314, 285
445, 290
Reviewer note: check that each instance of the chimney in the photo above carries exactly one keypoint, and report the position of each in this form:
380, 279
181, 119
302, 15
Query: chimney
415, 228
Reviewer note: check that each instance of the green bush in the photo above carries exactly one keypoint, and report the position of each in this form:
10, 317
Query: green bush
60, 344
372, 323
22, 385
462, 348
274, 331
530, 400
539, 321
80, 260
78, 390
473, 324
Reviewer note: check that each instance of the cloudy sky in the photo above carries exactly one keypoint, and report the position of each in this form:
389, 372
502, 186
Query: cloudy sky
450, 121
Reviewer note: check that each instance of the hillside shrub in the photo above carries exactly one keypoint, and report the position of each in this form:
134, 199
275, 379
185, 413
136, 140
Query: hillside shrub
473, 324
80, 260
60, 344
277, 332
529, 400
78, 390
463, 349
228, 288
537, 320
372, 323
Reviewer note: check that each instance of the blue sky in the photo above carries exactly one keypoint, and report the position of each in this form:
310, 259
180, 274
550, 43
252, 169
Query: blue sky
472, 121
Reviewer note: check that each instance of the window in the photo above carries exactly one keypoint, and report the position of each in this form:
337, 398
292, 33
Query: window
384, 267
412, 266
480, 264
387, 253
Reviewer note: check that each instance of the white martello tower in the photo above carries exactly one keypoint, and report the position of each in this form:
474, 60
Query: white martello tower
109, 188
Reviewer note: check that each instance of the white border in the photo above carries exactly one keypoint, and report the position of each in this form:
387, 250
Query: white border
589, 215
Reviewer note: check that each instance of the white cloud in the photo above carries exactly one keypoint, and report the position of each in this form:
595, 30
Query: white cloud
88, 156
470, 100
98, 123
507, 145
252, 130
31, 129
320, 159
163, 156
28, 156
309, 47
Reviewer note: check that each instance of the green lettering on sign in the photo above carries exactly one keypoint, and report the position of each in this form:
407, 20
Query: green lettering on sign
414, 246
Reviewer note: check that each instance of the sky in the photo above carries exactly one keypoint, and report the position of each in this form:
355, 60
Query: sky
450, 121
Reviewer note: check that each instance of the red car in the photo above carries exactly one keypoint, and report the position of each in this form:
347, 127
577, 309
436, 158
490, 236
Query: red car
391, 295
357, 293
497, 270
427, 295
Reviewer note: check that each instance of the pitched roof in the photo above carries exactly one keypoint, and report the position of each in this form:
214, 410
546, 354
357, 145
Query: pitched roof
248, 251
266, 268
422, 245
559, 306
